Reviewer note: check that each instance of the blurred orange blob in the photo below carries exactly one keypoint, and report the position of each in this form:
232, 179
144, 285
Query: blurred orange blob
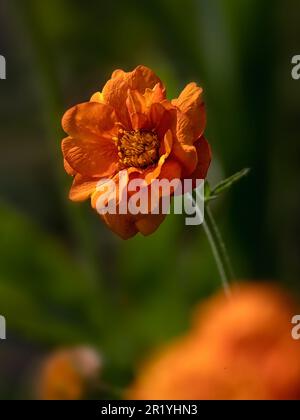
237, 349
131, 126
67, 374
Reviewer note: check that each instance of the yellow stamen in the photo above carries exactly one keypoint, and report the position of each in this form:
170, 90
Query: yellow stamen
138, 149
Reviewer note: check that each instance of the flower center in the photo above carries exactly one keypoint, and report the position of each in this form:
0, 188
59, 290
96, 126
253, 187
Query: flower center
138, 149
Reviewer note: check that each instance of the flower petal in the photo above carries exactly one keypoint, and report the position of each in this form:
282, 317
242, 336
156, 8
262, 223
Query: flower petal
151, 174
204, 158
90, 149
122, 224
137, 110
190, 102
97, 97
155, 95
135, 102
116, 89
186, 155
149, 223
161, 118
88, 121
171, 170
82, 188
127, 226
184, 129
69, 169
91, 158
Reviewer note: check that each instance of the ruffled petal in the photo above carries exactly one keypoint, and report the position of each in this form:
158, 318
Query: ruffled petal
151, 174
110, 192
69, 169
149, 223
155, 95
184, 129
89, 121
171, 170
91, 158
116, 89
190, 102
122, 224
137, 109
98, 97
127, 226
90, 149
204, 159
145, 110
135, 102
186, 155
82, 188
161, 118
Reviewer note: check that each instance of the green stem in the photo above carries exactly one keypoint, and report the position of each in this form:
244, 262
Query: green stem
217, 246
219, 250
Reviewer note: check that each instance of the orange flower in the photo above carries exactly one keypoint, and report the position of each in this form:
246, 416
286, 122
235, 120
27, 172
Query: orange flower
131, 126
67, 373
237, 349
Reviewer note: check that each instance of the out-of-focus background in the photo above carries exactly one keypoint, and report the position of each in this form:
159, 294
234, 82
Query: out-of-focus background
65, 279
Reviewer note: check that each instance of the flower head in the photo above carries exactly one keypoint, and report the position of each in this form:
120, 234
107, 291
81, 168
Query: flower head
237, 349
131, 126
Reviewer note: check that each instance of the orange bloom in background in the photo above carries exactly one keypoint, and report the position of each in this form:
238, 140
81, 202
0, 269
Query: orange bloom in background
68, 373
132, 126
237, 349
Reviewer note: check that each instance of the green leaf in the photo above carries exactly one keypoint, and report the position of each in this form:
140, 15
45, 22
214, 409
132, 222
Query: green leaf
224, 185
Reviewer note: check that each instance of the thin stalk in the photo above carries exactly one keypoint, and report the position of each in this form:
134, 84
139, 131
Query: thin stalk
217, 245
218, 249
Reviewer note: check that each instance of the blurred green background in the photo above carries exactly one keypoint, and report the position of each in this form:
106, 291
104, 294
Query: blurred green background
64, 278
